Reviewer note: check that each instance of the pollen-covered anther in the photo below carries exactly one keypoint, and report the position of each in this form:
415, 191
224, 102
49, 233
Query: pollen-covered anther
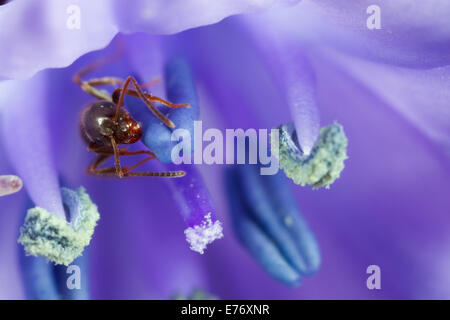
52, 237
199, 236
322, 166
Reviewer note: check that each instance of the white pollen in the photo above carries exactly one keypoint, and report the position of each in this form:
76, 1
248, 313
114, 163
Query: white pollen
200, 236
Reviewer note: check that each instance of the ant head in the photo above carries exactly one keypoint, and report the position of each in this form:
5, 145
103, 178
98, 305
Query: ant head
128, 130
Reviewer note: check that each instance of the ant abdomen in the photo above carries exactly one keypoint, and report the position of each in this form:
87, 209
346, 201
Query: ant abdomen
97, 122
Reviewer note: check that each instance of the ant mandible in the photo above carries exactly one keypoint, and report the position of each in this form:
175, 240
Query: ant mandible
106, 124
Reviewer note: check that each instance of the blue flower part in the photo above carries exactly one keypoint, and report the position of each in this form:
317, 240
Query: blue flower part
56, 239
268, 223
38, 278
42, 280
180, 89
196, 207
288, 212
73, 281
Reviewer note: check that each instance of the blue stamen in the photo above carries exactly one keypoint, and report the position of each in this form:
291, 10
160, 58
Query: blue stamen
255, 240
268, 223
196, 207
322, 166
62, 276
180, 89
190, 192
56, 239
38, 278
43, 280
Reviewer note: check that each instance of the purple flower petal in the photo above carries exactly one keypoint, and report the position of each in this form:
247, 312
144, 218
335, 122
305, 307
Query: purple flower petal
54, 33
413, 33
38, 36
420, 96
10, 218
26, 136
166, 17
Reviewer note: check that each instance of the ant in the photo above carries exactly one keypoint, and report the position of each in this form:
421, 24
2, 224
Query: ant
106, 124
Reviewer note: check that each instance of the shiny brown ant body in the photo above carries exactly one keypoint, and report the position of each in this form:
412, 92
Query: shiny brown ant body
106, 124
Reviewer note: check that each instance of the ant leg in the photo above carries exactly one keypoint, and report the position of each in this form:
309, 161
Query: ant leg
168, 174
157, 99
127, 172
105, 154
106, 172
93, 168
128, 169
118, 52
167, 103
101, 150
115, 81
150, 83
90, 86
119, 171
123, 152
86, 86
77, 77
96, 93
104, 81
142, 96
